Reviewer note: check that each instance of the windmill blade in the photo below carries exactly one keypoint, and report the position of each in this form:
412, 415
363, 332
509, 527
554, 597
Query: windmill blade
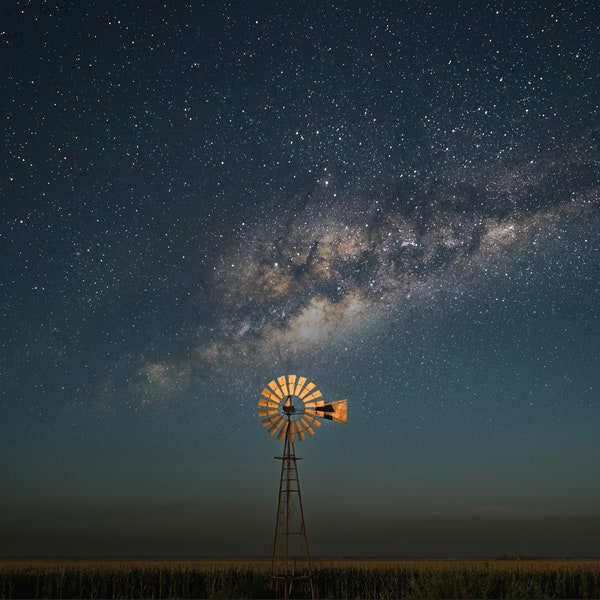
299, 385
309, 386
333, 411
277, 421
306, 426
283, 385
267, 412
269, 395
270, 420
273, 385
316, 394
312, 420
283, 430
311, 412
299, 431
310, 408
269, 403
314, 403
292, 383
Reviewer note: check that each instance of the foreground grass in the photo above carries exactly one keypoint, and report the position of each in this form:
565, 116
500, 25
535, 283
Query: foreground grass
335, 579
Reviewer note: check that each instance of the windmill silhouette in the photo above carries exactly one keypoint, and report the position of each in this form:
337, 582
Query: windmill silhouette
291, 407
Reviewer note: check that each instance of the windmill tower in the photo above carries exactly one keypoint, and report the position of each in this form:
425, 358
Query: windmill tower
290, 406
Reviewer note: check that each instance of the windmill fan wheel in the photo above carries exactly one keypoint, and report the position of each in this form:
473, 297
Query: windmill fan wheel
293, 405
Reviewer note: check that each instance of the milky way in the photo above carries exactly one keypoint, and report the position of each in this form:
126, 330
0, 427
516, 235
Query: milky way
332, 268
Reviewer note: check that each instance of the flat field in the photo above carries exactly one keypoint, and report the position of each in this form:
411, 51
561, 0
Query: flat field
332, 578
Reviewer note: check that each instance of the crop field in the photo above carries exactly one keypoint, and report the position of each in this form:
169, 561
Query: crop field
335, 579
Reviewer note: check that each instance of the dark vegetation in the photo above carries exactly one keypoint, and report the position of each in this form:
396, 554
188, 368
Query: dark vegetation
340, 579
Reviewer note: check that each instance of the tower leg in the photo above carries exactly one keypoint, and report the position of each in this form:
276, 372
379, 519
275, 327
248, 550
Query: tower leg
291, 559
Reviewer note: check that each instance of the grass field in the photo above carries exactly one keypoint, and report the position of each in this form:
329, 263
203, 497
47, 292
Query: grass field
336, 579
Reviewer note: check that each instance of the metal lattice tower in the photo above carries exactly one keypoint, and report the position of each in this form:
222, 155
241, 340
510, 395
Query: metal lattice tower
290, 407
291, 558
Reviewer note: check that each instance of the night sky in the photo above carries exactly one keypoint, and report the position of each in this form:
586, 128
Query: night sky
396, 199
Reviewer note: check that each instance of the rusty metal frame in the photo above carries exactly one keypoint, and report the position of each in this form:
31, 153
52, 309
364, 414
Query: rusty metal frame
290, 545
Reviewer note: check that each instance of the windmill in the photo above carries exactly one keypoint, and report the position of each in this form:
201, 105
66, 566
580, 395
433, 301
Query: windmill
291, 407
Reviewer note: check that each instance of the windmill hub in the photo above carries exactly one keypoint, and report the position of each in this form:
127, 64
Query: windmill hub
288, 407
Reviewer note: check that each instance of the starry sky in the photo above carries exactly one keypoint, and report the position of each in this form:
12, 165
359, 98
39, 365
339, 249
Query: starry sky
396, 199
